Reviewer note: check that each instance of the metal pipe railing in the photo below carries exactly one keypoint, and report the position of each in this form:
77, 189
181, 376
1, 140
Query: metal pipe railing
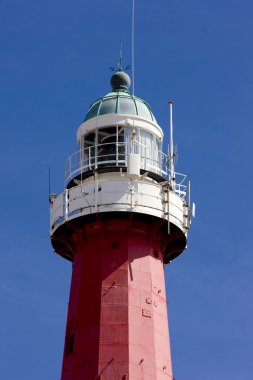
115, 154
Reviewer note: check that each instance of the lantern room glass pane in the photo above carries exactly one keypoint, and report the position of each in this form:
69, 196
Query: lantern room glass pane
88, 157
121, 137
149, 151
106, 148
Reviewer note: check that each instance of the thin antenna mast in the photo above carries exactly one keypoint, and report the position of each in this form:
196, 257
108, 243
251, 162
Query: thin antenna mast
133, 22
172, 164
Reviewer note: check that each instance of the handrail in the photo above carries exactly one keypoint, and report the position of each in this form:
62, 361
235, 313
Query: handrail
72, 202
115, 154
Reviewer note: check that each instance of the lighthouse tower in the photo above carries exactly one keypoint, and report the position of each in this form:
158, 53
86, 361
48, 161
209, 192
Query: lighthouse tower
123, 215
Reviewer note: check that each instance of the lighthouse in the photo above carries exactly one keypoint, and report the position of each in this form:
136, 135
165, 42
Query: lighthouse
124, 214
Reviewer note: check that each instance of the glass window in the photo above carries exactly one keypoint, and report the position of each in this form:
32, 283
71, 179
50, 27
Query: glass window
131, 140
106, 148
159, 144
89, 142
149, 151
157, 154
120, 134
121, 146
161, 156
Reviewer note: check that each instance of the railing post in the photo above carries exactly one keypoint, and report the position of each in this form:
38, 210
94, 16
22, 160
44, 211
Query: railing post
168, 208
95, 156
89, 158
96, 150
66, 204
127, 151
117, 154
189, 202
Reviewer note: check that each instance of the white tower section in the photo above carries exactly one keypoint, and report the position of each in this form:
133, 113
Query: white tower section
120, 167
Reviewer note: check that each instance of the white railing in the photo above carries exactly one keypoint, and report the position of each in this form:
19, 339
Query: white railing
115, 155
116, 195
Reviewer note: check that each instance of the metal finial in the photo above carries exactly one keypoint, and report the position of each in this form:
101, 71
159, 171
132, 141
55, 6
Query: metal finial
120, 61
120, 56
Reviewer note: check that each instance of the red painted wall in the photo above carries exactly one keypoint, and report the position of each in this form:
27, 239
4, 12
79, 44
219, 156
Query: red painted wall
117, 324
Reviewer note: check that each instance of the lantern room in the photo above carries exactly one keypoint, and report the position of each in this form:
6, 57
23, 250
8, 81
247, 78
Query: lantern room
118, 125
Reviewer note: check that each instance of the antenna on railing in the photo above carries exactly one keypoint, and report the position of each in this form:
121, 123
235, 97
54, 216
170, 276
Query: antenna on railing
171, 157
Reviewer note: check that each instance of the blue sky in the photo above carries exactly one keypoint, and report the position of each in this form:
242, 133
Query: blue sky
54, 60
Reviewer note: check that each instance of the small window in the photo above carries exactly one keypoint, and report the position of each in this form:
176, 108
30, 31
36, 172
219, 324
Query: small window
106, 149
89, 151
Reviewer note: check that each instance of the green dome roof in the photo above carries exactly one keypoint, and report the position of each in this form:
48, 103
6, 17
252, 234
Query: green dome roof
120, 101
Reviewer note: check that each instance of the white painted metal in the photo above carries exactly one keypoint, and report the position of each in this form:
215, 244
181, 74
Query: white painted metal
109, 120
168, 207
133, 165
186, 216
193, 209
189, 203
172, 166
130, 191
115, 192
56, 210
91, 159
